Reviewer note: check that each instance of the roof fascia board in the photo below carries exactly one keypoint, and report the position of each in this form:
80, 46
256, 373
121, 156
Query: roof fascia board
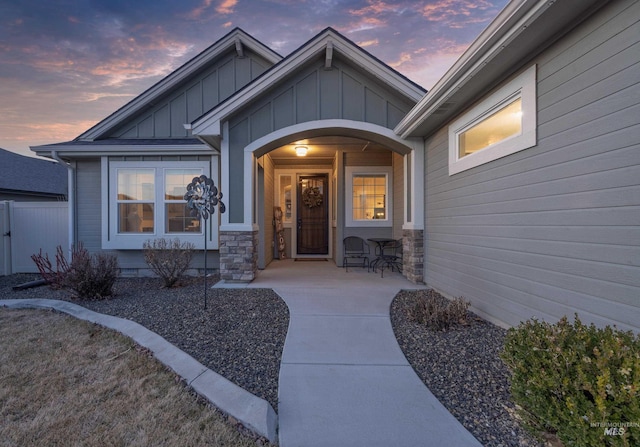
512, 21
227, 42
125, 149
208, 124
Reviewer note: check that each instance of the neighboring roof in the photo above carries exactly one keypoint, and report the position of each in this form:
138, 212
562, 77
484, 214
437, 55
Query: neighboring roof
236, 39
27, 174
521, 30
327, 42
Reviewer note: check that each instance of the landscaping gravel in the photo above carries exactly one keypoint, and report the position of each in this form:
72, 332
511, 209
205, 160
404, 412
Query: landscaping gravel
242, 333
462, 369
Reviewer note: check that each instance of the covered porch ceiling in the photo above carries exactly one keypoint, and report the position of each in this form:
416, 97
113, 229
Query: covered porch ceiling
322, 150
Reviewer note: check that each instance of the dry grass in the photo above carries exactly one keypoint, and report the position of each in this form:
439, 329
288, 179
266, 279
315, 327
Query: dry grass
69, 382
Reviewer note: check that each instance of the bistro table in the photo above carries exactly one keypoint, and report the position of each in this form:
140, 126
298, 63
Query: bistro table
381, 259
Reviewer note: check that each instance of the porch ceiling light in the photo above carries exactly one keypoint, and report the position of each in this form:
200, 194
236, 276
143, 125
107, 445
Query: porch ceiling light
301, 151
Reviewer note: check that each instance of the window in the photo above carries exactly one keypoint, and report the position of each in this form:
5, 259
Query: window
177, 214
145, 200
284, 197
369, 193
502, 124
368, 196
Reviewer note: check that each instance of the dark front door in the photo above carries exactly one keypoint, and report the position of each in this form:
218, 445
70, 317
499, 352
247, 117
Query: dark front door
313, 214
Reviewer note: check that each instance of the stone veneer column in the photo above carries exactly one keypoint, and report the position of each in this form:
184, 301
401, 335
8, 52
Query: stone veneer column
413, 255
238, 255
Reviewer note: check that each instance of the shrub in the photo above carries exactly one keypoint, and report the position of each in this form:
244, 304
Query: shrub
577, 381
439, 313
91, 276
53, 277
168, 259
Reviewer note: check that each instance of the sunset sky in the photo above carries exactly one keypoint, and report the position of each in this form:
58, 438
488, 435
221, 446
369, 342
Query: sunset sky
67, 64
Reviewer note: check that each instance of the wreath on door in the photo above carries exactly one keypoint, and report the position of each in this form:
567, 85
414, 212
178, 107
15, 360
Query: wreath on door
312, 196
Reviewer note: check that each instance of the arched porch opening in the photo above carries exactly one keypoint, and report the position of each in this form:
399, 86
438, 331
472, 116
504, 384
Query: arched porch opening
341, 157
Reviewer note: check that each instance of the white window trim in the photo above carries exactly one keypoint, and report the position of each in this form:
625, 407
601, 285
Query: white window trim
111, 239
350, 172
522, 86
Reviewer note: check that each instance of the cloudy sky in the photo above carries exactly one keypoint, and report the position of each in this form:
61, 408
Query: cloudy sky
67, 64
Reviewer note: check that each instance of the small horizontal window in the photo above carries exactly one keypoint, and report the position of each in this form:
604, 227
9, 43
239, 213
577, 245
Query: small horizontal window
502, 124
497, 127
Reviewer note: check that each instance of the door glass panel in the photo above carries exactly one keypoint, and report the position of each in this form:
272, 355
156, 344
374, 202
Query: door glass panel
285, 197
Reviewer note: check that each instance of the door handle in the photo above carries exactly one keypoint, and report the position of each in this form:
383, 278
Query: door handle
299, 224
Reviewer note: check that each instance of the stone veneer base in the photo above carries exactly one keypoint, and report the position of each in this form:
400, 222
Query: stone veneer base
413, 255
238, 255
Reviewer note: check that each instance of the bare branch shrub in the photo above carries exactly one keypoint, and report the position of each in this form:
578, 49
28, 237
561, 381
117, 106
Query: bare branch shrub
438, 313
88, 276
91, 276
54, 277
168, 259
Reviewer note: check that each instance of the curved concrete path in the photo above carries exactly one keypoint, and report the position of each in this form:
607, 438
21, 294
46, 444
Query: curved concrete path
343, 379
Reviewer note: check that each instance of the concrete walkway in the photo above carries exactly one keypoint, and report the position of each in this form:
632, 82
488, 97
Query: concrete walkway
344, 380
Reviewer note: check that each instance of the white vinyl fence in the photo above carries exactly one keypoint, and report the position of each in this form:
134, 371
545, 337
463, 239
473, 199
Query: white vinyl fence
27, 227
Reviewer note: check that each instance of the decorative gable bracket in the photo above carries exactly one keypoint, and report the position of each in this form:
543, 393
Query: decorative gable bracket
239, 48
328, 56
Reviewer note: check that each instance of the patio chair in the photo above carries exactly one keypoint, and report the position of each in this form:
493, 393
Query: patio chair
356, 250
390, 256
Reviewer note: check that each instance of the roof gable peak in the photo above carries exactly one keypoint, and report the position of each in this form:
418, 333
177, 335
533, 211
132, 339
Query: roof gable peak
328, 41
237, 39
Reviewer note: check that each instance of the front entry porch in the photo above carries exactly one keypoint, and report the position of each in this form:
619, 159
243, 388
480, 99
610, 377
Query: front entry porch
304, 207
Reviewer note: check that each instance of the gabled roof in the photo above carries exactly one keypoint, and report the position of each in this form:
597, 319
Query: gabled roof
236, 39
521, 30
28, 174
327, 42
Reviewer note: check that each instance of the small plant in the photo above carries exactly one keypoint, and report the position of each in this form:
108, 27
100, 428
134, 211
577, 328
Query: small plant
168, 259
438, 313
577, 381
87, 276
91, 276
53, 277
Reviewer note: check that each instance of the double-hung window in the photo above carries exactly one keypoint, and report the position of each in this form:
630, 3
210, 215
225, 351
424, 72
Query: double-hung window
501, 124
368, 198
145, 200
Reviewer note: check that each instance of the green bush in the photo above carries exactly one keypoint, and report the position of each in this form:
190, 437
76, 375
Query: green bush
578, 381
168, 259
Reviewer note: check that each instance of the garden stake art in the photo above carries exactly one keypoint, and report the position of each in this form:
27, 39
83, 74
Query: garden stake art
202, 197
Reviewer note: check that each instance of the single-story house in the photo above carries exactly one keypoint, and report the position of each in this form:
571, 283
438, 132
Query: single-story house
29, 179
514, 182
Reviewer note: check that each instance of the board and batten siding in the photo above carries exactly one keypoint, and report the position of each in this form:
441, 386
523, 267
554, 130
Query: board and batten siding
554, 229
203, 91
313, 94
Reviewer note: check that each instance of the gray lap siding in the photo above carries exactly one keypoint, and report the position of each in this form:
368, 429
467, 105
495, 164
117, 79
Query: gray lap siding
553, 229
